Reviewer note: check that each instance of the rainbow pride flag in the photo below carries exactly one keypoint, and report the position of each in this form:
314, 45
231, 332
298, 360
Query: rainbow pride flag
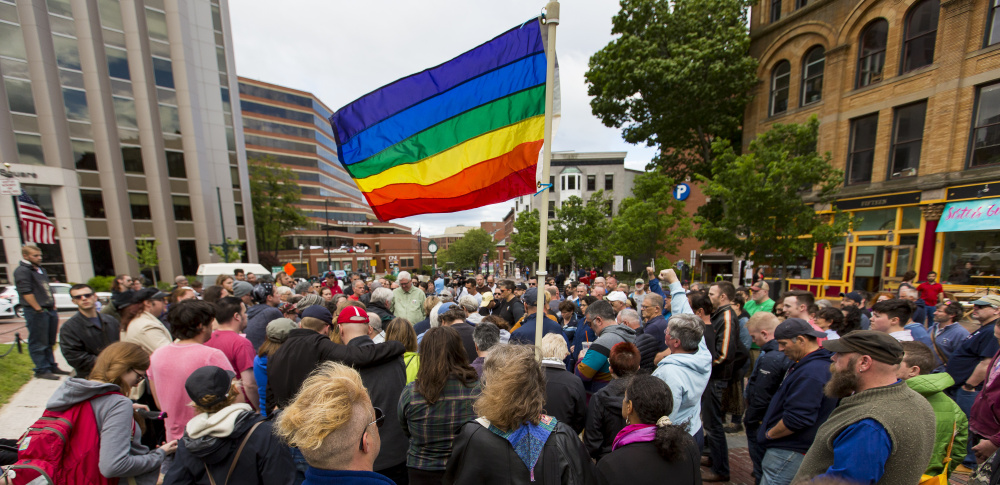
457, 136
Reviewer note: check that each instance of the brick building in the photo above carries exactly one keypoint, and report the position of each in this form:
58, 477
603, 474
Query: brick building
908, 97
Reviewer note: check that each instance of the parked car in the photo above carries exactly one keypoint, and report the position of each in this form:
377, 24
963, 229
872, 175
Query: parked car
10, 303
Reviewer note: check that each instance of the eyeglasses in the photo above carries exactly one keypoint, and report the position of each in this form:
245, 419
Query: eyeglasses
142, 377
379, 419
83, 296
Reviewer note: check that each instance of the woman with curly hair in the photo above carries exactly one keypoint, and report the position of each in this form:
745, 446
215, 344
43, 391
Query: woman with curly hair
432, 407
650, 447
523, 444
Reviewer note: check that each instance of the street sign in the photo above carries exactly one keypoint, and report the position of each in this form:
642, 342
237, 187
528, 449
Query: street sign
289, 269
682, 191
373, 263
432, 247
10, 186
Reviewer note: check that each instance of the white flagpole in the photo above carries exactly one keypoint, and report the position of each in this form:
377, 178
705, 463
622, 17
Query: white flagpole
551, 21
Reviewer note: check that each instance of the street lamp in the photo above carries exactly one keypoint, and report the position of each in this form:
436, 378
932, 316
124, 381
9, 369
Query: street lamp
301, 247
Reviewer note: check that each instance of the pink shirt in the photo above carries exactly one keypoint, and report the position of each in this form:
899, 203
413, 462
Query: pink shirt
169, 368
237, 348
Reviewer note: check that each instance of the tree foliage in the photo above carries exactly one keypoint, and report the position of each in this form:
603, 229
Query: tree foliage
580, 234
146, 255
757, 209
650, 222
524, 242
274, 193
234, 253
468, 251
677, 77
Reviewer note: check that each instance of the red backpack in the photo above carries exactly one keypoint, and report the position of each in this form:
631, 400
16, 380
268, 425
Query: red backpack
61, 448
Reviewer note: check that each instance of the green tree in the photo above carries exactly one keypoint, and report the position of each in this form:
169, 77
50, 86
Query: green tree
274, 193
651, 222
524, 242
234, 253
678, 77
145, 254
468, 251
580, 233
757, 209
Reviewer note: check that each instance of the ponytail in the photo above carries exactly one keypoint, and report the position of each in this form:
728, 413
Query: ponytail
669, 439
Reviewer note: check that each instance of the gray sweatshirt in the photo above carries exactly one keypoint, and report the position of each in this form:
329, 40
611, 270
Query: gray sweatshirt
121, 453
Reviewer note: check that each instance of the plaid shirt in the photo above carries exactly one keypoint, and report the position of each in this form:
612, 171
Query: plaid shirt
432, 427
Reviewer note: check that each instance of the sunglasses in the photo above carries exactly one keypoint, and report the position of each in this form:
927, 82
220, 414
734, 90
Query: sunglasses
83, 296
379, 419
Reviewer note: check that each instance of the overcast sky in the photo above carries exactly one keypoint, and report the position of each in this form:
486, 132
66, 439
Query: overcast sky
340, 50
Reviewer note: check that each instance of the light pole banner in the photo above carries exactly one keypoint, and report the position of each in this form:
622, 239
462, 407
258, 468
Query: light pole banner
970, 215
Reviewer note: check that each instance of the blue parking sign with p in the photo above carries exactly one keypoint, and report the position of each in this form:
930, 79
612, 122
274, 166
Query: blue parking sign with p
682, 191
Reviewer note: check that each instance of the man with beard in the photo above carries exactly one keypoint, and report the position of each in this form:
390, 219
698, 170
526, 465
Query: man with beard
882, 429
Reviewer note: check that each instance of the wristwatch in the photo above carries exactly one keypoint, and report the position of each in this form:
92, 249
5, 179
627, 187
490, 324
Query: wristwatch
967, 387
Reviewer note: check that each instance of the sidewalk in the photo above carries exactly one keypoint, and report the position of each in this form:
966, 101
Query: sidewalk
27, 405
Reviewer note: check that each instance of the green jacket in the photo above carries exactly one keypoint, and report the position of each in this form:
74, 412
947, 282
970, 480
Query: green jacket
949, 417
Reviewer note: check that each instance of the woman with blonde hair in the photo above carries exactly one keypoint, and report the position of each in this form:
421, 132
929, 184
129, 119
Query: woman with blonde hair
523, 444
118, 368
400, 330
227, 442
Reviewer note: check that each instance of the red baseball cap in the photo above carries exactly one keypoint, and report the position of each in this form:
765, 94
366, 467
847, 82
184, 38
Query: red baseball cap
353, 314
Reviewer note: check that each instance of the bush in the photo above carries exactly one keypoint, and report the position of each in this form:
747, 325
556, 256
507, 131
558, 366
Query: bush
164, 286
101, 283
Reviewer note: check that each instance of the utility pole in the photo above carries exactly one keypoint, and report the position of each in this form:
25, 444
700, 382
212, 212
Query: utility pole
329, 258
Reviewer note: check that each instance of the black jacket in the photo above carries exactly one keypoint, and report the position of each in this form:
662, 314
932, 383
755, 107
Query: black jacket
80, 341
726, 327
648, 348
385, 382
641, 463
604, 418
264, 459
478, 456
383, 313
465, 331
565, 397
765, 380
304, 350
511, 311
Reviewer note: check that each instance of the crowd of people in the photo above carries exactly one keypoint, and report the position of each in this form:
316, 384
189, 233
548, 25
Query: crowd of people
394, 380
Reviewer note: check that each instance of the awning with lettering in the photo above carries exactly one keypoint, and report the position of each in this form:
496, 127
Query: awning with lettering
970, 215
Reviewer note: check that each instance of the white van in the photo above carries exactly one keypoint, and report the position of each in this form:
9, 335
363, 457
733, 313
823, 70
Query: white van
207, 273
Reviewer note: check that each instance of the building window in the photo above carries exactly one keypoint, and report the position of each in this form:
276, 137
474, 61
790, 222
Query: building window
182, 208
19, 96
608, 208
775, 10
189, 256
993, 23
100, 254
862, 153
83, 155
966, 260
609, 181
239, 215
117, 63
800, 3
812, 75
29, 149
175, 165
591, 182
93, 204
986, 130
921, 30
552, 210
907, 135
139, 203
132, 159
780, 77
871, 53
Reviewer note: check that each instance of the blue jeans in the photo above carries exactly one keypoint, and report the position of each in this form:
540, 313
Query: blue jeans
754, 448
300, 465
779, 466
713, 416
42, 329
964, 399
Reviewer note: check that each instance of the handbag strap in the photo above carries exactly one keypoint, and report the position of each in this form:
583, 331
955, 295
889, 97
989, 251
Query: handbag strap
944, 358
947, 453
236, 458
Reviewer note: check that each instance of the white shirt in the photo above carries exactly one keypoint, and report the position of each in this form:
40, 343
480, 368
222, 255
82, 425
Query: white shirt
902, 336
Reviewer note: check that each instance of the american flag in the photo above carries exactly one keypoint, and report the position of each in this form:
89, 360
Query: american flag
36, 226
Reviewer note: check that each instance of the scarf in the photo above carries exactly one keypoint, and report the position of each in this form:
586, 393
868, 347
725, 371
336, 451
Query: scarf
634, 433
528, 440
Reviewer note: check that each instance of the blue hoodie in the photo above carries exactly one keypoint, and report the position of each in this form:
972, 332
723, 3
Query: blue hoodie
687, 376
800, 402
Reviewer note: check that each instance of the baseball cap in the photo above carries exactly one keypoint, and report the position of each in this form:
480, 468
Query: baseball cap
617, 296
352, 314
521, 286
487, 298
277, 329
148, 294
320, 312
793, 327
448, 305
531, 296
880, 346
123, 299
241, 289
209, 381
852, 296
988, 300
640, 281
760, 285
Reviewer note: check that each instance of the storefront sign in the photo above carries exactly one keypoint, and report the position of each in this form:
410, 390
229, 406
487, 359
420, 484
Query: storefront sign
970, 215
879, 201
355, 223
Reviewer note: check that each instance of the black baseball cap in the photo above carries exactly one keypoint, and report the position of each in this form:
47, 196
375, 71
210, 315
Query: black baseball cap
209, 381
123, 299
149, 294
880, 346
852, 296
793, 327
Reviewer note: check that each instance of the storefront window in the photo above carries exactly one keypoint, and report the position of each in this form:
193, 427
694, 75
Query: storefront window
837, 261
911, 218
971, 258
876, 220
